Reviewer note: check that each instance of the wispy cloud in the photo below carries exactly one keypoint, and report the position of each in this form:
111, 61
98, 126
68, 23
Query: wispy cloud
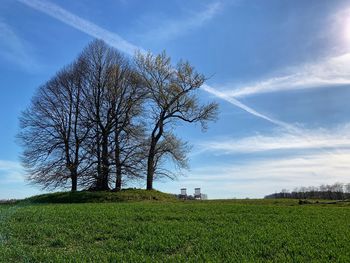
316, 167
319, 139
13, 183
11, 172
13, 49
331, 72
171, 28
304, 158
83, 25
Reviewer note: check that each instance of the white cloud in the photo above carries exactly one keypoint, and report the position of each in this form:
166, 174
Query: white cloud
83, 25
13, 49
312, 157
334, 71
4, 164
320, 139
168, 28
11, 172
330, 71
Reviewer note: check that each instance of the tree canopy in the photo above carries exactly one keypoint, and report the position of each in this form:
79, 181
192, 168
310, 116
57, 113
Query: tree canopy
105, 119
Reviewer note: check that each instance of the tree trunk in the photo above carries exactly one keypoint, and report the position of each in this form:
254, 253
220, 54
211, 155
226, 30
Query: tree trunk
74, 178
150, 174
118, 181
98, 184
150, 165
105, 164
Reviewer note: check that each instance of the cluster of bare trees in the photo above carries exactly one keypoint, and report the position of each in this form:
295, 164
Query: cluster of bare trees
104, 119
337, 191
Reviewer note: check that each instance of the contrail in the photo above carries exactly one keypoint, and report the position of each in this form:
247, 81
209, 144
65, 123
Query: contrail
123, 45
246, 108
83, 25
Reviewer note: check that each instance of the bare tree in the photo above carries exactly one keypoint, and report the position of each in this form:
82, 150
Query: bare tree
126, 98
171, 98
99, 59
53, 131
113, 100
84, 123
103, 116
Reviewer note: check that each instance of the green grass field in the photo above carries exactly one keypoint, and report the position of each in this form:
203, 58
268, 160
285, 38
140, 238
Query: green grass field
175, 231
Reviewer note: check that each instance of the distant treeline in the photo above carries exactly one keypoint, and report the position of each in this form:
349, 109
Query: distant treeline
337, 191
8, 201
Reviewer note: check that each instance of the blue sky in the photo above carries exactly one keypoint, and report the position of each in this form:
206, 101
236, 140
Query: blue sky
279, 69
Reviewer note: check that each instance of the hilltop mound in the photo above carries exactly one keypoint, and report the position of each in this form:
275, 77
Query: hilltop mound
101, 197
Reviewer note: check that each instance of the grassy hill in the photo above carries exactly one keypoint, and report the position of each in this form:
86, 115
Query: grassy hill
101, 197
163, 231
